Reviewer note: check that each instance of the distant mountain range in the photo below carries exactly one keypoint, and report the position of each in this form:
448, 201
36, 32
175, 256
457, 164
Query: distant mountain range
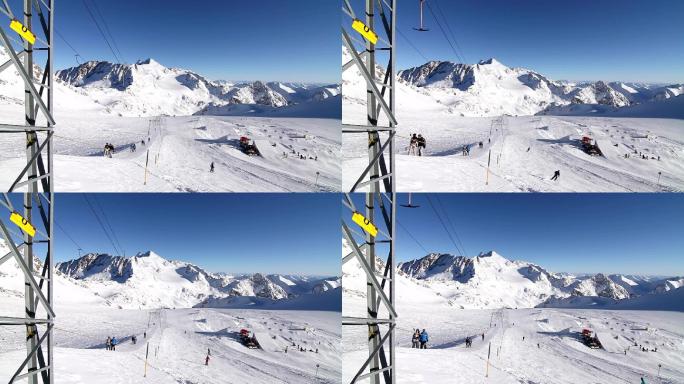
490, 88
490, 279
148, 280
149, 88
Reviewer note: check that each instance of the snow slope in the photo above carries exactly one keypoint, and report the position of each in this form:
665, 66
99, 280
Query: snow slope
525, 150
527, 345
178, 339
99, 103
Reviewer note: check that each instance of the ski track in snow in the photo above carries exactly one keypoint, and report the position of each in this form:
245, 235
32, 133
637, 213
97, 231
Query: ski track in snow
180, 152
178, 342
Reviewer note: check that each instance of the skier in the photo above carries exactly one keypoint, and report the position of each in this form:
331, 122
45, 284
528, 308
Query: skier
133, 147
208, 352
211, 167
423, 339
416, 339
483, 337
556, 175
134, 339
142, 142
206, 361
114, 343
413, 144
421, 145
109, 343
145, 335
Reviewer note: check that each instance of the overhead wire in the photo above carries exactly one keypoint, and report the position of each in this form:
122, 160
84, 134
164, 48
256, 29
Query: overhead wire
106, 27
444, 226
453, 227
441, 28
92, 17
453, 35
412, 45
85, 197
412, 237
67, 235
109, 225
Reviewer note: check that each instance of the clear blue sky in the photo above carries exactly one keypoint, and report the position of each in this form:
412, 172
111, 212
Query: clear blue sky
223, 40
621, 233
630, 40
295, 233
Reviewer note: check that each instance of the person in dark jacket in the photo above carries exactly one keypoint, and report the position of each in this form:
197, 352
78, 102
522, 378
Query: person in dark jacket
421, 145
424, 339
556, 175
415, 341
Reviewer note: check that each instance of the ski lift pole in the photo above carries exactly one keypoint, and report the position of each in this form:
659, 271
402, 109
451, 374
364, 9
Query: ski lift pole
489, 161
147, 352
147, 160
488, 353
317, 365
659, 174
317, 174
659, 366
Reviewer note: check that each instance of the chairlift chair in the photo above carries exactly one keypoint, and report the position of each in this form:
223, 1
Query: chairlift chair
410, 204
422, 27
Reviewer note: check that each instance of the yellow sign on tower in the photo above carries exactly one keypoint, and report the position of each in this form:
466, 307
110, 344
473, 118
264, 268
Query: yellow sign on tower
19, 28
22, 223
366, 32
365, 224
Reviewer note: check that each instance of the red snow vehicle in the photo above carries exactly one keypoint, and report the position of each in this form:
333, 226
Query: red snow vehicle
248, 147
590, 147
590, 339
249, 341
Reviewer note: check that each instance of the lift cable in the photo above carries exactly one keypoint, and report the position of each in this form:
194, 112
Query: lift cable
444, 226
109, 225
412, 237
412, 45
453, 227
441, 28
67, 235
106, 28
453, 35
92, 17
85, 197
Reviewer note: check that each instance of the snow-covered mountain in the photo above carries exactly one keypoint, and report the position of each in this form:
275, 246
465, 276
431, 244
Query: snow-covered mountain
148, 88
489, 280
490, 88
147, 280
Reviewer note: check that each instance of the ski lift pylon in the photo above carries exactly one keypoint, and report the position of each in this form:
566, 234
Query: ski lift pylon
422, 26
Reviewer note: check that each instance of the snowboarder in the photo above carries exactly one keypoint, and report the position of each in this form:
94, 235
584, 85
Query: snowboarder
413, 144
211, 167
556, 175
114, 343
423, 339
421, 145
415, 341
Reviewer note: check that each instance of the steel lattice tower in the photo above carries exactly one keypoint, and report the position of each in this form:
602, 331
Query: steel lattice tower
379, 182
36, 182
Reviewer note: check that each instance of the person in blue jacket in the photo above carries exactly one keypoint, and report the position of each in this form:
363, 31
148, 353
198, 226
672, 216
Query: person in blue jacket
114, 343
423, 339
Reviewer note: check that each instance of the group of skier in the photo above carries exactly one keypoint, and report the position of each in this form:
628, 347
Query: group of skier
111, 343
419, 339
108, 150
417, 145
